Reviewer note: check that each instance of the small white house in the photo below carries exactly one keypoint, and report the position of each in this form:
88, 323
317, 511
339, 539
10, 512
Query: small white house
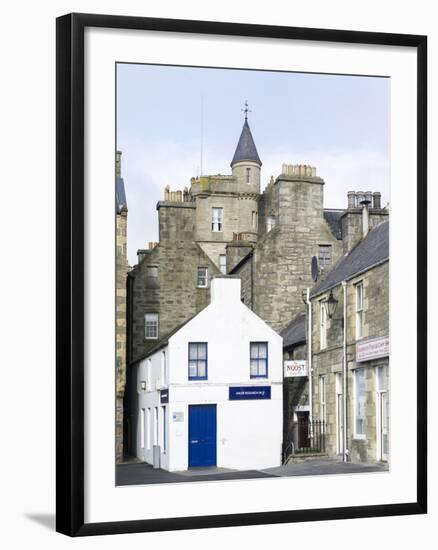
211, 394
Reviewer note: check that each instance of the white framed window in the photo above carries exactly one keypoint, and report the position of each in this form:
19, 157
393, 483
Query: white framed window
223, 263
163, 441
258, 359
270, 223
142, 427
322, 399
217, 219
155, 428
148, 429
359, 403
324, 255
359, 310
202, 277
151, 326
322, 325
248, 175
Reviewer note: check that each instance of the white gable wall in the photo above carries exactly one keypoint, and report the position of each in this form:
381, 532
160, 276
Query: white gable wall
249, 432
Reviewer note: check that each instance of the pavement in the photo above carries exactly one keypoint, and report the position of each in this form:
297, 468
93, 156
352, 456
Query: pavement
140, 473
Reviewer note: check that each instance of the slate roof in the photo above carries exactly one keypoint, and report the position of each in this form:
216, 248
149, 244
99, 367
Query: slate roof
295, 332
372, 250
246, 149
121, 203
333, 218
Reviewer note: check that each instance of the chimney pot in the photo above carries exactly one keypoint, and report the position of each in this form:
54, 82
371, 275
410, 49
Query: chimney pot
377, 200
351, 195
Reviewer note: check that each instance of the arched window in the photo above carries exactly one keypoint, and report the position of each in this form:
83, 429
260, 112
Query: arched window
248, 175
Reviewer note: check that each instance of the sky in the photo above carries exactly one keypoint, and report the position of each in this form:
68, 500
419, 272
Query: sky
337, 123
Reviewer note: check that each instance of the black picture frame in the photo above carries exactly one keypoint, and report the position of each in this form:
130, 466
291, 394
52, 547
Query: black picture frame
70, 272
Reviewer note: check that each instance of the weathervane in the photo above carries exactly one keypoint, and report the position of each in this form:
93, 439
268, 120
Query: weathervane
246, 110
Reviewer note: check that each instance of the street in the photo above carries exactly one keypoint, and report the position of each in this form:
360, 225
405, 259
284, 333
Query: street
139, 473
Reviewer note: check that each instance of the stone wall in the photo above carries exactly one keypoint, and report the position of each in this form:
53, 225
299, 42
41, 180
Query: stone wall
282, 257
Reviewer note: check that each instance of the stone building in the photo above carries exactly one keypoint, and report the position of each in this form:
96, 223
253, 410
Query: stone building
350, 342
121, 273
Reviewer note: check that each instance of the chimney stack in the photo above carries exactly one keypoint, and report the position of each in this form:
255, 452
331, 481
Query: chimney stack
377, 200
351, 199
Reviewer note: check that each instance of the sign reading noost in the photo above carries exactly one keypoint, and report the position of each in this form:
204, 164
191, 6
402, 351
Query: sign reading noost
295, 368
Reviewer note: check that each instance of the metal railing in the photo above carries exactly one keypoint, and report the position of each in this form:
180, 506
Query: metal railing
307, 437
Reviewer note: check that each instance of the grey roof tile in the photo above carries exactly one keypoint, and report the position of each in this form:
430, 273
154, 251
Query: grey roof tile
246, 149
121, 203
333, 218
295, 332
372, 250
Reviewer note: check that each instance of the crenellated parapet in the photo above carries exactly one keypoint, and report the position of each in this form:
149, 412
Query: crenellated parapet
298, 170
177, 196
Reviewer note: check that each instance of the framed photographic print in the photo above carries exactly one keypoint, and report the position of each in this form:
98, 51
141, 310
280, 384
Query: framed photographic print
241, 274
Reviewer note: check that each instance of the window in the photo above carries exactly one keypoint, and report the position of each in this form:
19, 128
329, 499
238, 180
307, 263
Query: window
322, 399
323, 325
197, 361
223, 263
359, 311
155, 430
254, 219
324, 255
202, 277
248, 175
216, 219
359, 403
151, 326
163, 429
151, 271
148, 429
258, 356
142, 428
271, 223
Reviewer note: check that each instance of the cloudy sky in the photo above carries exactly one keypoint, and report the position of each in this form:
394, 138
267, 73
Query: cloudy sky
340, 124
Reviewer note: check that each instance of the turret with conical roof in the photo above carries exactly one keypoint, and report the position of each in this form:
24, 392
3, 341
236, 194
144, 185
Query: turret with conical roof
246, 162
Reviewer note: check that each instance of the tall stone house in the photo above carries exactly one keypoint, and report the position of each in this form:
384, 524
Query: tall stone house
350, 350
121, 274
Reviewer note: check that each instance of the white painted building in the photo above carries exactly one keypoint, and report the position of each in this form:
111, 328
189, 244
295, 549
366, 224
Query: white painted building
211, 394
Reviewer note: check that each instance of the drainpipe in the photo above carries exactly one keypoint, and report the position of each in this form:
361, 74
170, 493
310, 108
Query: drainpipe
345, 451
309, 357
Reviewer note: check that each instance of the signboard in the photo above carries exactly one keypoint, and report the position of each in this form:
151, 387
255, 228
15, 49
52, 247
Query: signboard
164, 396
295, 368
367, 350
178, 416
249, 392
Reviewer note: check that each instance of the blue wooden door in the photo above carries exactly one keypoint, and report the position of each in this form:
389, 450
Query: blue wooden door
202, 435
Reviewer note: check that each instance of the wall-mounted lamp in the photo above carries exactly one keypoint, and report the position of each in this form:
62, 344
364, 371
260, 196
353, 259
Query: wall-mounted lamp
331, 304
